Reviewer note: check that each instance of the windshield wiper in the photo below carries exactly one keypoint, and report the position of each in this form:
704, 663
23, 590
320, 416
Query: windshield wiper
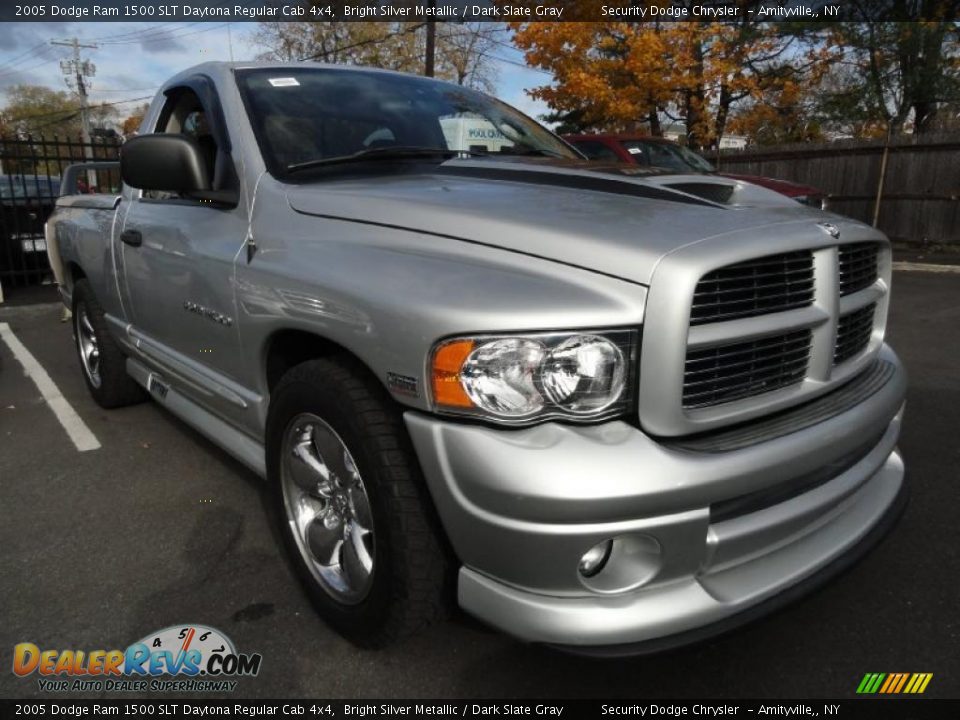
396, 152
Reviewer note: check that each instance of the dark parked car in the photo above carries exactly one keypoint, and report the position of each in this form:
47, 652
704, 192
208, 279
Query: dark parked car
26, 202
660, 152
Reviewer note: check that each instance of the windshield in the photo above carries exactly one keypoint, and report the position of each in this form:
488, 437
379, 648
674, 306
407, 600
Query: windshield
667, 155
301, 115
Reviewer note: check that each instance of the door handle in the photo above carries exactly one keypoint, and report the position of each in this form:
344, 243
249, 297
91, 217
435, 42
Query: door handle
132, 237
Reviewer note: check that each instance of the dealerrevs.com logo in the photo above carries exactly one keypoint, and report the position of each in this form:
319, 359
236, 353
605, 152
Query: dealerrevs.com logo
196, 658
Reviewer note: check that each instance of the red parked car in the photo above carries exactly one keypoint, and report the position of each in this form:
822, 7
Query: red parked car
660, 152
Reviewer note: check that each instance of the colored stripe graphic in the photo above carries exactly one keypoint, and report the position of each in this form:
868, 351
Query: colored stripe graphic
891, 679
894, 683
870, 683
903, 680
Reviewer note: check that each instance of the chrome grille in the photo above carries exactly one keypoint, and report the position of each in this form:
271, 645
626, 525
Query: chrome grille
757, 287
743, 369
701, 374
858, 266
853, 333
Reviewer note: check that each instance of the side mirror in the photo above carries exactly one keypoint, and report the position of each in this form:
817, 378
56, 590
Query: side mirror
165, 162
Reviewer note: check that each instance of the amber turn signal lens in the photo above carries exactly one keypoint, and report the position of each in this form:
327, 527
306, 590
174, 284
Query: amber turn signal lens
447, 361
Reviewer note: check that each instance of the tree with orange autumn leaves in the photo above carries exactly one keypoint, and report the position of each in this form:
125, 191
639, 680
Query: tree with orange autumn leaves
620, 76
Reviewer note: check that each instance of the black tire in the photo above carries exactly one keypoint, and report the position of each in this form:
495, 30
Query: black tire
410, 579
110, 386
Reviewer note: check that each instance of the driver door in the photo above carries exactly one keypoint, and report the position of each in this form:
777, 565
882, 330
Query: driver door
177, 256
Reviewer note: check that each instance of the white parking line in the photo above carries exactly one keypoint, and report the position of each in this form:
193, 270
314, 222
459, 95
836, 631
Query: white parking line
78, 431
926, 267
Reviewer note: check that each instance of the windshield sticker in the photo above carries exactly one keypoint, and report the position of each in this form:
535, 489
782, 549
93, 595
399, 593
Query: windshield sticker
284, 82
635, 151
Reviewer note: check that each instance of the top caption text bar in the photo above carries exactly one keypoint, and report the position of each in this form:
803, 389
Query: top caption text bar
447, 10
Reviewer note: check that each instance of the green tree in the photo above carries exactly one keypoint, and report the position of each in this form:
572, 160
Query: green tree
131, 123
463, 50
615, 75
37, 110
900, 66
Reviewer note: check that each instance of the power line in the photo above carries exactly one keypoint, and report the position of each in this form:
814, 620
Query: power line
19, 70
12, 61
128, 90
520, 65
56, 121
151, 27
148, 34
508, 46
74, 111
168, 35
369, 41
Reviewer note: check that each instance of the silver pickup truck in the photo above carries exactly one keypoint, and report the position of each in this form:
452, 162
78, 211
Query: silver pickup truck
606, 408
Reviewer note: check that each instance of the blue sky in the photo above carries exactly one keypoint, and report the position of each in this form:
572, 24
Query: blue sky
133, 59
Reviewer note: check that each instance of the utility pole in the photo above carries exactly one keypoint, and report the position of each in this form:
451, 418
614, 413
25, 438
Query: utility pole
431, 42
76, 72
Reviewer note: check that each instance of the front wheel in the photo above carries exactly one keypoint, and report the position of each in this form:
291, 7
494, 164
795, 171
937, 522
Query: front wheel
355, 515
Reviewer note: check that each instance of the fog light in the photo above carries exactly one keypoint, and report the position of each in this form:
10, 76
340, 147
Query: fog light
621, 564
594, 559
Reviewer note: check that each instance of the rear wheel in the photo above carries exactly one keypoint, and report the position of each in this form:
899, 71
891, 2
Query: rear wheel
354, 513
102, 362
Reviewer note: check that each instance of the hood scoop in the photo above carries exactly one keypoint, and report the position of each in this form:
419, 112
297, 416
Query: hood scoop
720, 193
582, 177
724, 192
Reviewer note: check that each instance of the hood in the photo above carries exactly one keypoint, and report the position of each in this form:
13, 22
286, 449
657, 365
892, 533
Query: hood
605, 219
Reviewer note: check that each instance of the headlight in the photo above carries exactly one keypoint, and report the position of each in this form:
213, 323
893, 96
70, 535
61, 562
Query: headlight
517, 379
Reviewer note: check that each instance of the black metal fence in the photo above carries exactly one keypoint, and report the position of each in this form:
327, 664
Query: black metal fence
30, 172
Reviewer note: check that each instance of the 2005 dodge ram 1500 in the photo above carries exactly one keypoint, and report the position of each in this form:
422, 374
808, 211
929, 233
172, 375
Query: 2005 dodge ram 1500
614, 410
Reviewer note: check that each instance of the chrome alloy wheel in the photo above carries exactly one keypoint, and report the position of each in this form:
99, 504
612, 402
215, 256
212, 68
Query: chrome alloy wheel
88, 346
327, 508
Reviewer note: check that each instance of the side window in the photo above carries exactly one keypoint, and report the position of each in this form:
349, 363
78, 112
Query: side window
185, 114
596, 150
196, 125
662, 155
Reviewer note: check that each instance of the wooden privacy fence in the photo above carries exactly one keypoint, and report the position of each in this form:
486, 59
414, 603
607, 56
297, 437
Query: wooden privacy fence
911, 185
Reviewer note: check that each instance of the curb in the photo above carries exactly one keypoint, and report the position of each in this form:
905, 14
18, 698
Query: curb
925, 267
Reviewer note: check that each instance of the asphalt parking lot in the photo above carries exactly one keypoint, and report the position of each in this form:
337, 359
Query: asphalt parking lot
158, 527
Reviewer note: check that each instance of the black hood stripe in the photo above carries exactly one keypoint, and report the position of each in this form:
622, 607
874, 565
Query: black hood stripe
575, 182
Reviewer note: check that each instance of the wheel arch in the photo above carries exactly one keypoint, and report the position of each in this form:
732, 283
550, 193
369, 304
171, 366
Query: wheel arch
73, 274
288, 347
285, 348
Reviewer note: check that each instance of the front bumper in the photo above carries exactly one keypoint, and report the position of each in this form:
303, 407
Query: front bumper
521, 507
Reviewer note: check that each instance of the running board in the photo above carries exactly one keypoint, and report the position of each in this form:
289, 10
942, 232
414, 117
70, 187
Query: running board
243, 448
